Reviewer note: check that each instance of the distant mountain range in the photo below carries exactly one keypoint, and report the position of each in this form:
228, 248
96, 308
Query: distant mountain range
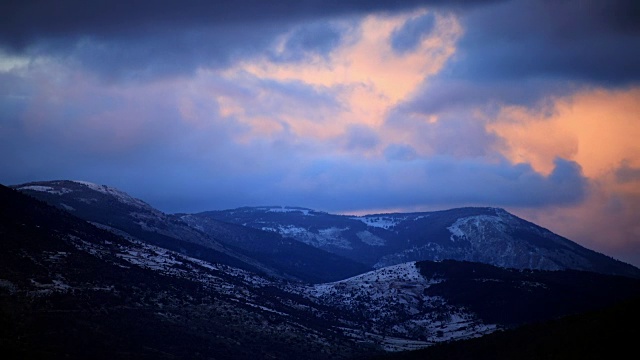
89, 271
299, 243
487, 235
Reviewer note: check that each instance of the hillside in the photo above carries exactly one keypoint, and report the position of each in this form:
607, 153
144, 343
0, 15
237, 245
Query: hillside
72, 288
487, 235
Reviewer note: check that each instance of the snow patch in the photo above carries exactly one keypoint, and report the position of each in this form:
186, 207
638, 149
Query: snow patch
119, 195
473, 225
402, 317
47, 189
370, 239
384, 222
331, 237
67, 207
283, 209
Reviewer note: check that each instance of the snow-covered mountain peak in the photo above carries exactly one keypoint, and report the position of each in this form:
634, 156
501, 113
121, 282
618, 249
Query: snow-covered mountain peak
286, 209
81, 190
121, 196
46, 189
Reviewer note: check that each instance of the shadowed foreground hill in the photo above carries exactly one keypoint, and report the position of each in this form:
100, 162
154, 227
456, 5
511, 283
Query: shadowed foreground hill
595, 335
69, 290
250, 249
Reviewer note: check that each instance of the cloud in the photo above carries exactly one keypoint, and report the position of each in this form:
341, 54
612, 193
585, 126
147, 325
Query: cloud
346, 106
144, 39
597, 129
402, 152
411, 34
361, 137
424, 183
461, 134
442, 94
605, 221
627, 173
522, 53
309, 40
28, 19
575, 40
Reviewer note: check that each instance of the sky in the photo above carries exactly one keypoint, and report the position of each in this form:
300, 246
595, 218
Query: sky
347, 106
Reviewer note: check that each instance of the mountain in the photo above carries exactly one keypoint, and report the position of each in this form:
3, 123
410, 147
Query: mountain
594, 335
211, 240
393, 311
302, 244
70, 289
487, 235
419, 304
305, 261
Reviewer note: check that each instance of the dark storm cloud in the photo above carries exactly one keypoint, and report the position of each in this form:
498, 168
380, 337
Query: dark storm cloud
22, 21
523, 52
141, 39
165, 52
580, 40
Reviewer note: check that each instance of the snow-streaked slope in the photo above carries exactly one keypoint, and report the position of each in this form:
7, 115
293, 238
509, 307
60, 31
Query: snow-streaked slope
117, 194
123, 214
285, 209
218, 278
381, 221
329, 237
392, 302
481, 234
234, 245
47, 189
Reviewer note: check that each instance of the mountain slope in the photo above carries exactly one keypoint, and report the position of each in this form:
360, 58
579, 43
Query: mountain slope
415, 305
594, 335
512, 297
211, 240
71, 290
487, 235
392, 305
307, 262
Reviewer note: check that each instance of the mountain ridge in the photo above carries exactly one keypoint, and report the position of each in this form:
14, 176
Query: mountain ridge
483, 234
69, 289
117, 211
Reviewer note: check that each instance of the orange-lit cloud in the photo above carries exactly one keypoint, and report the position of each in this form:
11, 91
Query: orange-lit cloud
596, 128
349, 116
365, 73
599, 130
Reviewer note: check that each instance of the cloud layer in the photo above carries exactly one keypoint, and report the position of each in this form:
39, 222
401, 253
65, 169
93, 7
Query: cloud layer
347, 107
